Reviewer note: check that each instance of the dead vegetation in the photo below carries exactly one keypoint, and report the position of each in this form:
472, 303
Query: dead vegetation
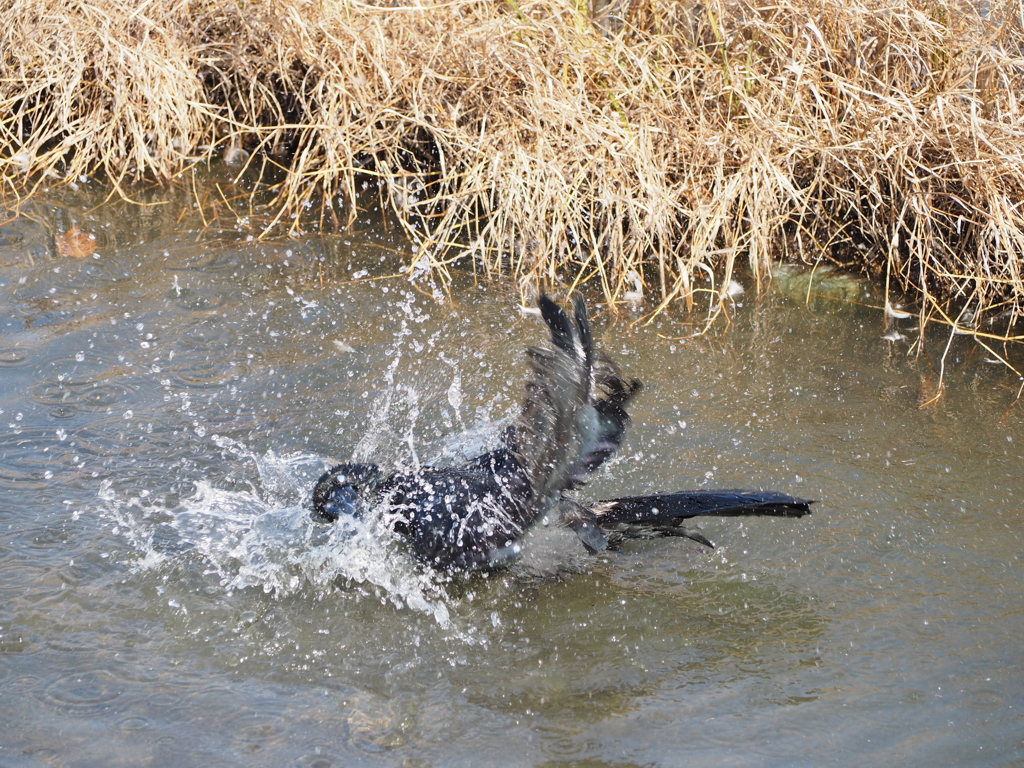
655, 147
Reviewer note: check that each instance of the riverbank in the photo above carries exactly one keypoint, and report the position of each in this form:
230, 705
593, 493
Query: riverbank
650, 147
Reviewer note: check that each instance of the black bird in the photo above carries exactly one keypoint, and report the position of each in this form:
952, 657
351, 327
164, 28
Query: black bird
573, 418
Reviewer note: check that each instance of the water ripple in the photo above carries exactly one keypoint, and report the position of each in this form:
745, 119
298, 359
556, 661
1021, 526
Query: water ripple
199, 300
984, 699
134, 723
209, 335
23, 240
85, 394
87, 274
68, 387
205, 374
29, 455
199, 258
12, 357
164, 700
81, 692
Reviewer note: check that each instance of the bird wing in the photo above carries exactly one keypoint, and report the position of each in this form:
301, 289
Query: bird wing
573, 415
555, 421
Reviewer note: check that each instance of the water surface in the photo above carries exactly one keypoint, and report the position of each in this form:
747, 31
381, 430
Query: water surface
164, 600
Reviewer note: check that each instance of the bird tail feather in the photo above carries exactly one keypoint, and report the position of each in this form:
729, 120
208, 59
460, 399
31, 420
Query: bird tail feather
671, 508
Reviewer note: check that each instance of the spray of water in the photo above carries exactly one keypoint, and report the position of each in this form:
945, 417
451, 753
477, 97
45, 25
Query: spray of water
263, 537
260, 535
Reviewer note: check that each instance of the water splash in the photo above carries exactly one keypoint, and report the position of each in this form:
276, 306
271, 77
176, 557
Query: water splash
262, 537
251, 529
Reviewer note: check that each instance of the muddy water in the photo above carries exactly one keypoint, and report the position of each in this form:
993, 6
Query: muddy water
166, 402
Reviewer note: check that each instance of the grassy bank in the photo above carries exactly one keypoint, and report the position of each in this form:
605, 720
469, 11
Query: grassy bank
668, 142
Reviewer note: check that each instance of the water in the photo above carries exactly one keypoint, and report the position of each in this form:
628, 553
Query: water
164, 599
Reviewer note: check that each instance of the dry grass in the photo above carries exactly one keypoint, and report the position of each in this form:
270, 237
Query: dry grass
667, 144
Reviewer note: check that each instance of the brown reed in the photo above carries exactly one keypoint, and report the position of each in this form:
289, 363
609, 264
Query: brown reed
652, 146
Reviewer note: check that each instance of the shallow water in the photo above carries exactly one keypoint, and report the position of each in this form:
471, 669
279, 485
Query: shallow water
164, 599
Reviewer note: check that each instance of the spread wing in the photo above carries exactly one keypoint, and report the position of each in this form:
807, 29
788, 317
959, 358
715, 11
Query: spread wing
573, 416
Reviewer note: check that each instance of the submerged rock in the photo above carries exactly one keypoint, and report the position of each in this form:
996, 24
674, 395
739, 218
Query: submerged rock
800, 282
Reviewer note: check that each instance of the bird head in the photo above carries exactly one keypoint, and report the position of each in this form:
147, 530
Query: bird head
339, 492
